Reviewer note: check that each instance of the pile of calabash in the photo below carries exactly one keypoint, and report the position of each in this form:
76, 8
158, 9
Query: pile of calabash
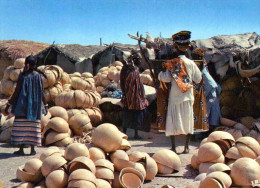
58, 128
223, 162
107, 75
103, 164
146, 77
10, 78
54, 81
247, 126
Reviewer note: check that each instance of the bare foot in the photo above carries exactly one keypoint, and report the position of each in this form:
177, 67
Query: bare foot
186, 150
174, 150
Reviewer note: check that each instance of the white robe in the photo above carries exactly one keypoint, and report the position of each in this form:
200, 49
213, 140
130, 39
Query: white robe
179, 119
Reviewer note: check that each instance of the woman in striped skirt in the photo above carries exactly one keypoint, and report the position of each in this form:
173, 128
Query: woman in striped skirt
28, 103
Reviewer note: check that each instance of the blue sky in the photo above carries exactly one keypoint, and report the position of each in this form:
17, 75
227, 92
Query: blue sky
85, 21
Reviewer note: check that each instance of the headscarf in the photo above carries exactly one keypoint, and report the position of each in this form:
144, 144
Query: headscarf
181, 40
199, 52
31, 61
198, 57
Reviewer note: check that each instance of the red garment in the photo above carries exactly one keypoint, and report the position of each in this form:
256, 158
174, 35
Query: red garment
133, 94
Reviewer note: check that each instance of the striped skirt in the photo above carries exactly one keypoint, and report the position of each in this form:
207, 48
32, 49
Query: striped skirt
26, 132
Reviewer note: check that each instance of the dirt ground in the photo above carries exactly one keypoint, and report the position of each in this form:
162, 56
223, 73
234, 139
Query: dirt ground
150, 143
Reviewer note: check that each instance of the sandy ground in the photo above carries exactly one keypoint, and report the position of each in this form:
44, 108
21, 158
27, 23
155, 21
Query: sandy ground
150, 143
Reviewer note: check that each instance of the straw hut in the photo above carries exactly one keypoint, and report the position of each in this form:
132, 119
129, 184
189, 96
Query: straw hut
10, 50
111, 53
71, 57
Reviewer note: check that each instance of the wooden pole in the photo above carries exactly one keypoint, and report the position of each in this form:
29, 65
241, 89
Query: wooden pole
48, 53
100, 41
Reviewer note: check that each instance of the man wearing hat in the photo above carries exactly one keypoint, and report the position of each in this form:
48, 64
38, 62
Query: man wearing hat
180, 72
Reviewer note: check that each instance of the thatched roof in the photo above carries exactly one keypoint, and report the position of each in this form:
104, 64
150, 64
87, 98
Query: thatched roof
126, 47
231, 43
226, 43
75, 52
116, 46
13, 49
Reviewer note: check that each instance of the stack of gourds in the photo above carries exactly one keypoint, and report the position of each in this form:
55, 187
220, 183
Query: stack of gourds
80, 97
56, 129
68, 92
94, 113
239, 98
79, 93
223, 162
229, 95
6, 128
83, 102
55, 78
53, 82
146, 77
246, 126
6, 123
11, 74
104, 163
107, 75
84, 81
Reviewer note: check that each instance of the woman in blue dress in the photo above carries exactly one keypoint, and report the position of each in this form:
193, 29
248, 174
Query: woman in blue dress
28, 104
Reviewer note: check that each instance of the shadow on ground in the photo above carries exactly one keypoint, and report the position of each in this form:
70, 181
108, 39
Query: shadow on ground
7, 155
190, 173
6, 145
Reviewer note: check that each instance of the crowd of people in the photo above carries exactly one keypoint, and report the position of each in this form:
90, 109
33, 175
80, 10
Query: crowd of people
187, 97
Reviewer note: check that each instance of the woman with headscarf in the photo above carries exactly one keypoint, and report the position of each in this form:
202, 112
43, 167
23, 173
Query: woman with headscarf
180, 72
28, 104
133, 95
